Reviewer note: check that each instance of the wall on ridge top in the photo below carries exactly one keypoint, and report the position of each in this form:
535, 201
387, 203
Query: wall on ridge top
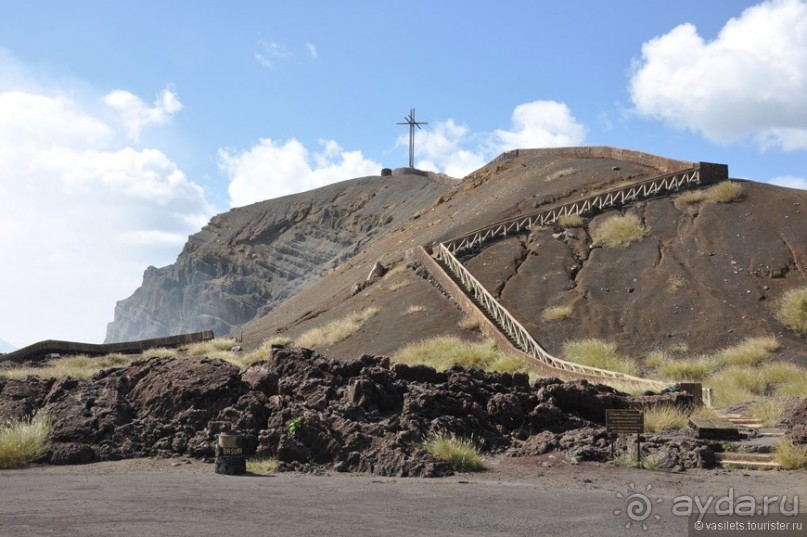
663, 164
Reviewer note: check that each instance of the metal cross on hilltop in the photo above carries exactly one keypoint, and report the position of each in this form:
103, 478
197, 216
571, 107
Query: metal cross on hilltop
410, 120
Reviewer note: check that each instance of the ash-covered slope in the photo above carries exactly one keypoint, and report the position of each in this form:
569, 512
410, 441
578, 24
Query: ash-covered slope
248, 260
708, 275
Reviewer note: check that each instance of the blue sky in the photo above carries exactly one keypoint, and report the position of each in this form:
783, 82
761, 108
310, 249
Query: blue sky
125, 126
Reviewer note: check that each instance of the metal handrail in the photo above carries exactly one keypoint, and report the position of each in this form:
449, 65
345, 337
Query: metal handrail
522, 338
670, 182
445, 251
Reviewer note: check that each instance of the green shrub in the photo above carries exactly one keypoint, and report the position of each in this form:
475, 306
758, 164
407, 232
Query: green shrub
792, 311
619, 231
22, 442
597, 353
461, 454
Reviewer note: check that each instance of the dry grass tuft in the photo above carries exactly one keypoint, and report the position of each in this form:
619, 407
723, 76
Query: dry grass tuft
446, 351
461, 454
336, 331
619, 231
415, 308
571, 220
400, 285
398, 269
665, 418
674, 283
559, 174
22, 442
470, 324
160, 352
792, 310
769, 410
791, 456
79, 366
751, 352
598, 353
689, 369
262, 466
207, 348
555, 314
736, 384
263, 351
724, 192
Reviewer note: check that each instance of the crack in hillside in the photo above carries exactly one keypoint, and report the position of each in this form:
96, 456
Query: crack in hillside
518, 263
793, 254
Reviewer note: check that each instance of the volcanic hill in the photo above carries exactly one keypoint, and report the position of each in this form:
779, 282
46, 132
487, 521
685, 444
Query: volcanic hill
705, 276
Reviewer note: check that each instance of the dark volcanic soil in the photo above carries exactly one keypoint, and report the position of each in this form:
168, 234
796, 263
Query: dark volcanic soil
707, 276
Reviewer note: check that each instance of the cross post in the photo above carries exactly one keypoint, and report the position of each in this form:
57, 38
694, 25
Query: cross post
410, 120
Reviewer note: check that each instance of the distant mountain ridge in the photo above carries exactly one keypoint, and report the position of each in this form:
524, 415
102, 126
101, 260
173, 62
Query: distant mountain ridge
5, 346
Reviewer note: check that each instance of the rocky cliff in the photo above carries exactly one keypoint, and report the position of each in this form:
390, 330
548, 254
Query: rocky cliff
248, 260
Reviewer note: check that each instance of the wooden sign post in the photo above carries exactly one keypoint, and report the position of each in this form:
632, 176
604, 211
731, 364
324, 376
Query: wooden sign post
624, 421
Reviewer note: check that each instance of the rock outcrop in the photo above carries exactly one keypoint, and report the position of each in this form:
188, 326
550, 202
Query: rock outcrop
309, 412
248, 260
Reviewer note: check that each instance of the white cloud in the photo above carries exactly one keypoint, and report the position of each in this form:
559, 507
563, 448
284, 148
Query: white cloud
312, 51
453, 149
271, 169
440, 149
749, 81
270, 52
541, 124
136, 114
82, 217
789, 181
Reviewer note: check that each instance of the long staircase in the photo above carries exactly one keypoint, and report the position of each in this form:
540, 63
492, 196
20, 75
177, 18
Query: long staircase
496, 322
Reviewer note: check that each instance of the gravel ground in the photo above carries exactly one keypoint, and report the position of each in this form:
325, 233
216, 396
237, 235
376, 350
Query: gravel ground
534, 496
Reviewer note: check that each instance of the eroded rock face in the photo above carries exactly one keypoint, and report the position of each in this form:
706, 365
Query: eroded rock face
248, 260
797, 421
310, 412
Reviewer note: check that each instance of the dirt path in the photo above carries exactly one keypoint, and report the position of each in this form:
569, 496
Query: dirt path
158, 498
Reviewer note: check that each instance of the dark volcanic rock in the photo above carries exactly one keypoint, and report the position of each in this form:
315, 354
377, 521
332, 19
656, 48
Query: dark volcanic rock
21, 398
311, 412
70, 453
797, 421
